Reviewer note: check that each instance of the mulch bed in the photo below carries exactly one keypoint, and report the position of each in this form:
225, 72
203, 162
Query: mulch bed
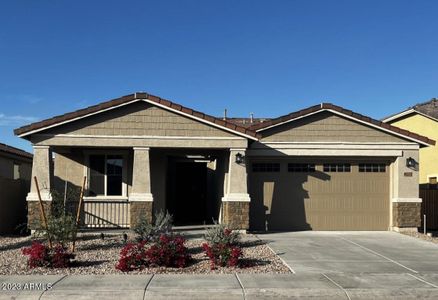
99, 256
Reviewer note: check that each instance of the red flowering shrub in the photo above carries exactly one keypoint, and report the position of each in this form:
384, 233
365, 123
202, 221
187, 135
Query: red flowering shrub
168, 251
222, 255
222, 248
132, 257
42, 256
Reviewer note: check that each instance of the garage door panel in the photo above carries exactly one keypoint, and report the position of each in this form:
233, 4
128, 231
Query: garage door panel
321, 200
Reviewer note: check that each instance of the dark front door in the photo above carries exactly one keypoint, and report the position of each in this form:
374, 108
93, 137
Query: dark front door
187, 201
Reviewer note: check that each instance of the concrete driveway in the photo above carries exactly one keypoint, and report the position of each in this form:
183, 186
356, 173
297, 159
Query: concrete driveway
354, 252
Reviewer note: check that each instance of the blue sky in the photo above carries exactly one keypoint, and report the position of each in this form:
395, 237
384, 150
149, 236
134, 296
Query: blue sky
265, 57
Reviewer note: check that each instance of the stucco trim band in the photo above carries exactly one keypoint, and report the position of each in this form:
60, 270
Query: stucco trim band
141, 197
45, 196
406, 200
236, 197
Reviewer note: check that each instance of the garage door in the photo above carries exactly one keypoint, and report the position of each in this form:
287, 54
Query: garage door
319, 195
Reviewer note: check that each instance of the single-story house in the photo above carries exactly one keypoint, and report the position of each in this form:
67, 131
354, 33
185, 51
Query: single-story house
15, 172
422, 118
320, 168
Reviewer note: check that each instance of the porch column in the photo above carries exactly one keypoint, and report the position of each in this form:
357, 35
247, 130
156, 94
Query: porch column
140, 197
406, 204
41, 169
235, 203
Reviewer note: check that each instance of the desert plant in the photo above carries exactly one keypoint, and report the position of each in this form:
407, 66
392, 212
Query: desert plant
41, 256
151, 232
222, 246
167, 251
132, 257
221, 234
222, 255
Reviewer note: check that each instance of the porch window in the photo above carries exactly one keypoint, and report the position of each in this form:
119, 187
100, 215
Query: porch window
106, 175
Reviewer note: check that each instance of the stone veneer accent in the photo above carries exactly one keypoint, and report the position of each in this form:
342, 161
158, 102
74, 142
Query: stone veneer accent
34, 218
139, 209
406, 214
236, 214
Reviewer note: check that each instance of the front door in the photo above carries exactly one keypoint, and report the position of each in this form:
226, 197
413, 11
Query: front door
187, 195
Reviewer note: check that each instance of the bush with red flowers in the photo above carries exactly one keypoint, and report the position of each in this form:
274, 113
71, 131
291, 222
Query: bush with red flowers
132, 257
222, 247
223, 255
41, 256
168, 251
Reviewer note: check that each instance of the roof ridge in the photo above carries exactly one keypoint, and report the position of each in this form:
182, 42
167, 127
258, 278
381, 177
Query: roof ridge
126, 99
339, 109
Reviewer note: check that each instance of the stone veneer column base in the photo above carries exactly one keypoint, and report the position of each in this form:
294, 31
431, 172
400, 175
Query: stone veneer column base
236, 214
139, 209
34, 217
406, 215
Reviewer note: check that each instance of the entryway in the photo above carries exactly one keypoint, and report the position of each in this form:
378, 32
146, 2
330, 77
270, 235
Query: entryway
187, 192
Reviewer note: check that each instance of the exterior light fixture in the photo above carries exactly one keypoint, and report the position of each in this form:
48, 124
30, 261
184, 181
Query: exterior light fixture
410, 162
240, 158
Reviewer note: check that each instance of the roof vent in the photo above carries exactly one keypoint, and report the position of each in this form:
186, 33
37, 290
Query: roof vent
225, 114
251, 118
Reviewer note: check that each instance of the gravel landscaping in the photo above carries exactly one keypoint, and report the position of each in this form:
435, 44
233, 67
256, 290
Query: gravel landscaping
433, 238
97, 256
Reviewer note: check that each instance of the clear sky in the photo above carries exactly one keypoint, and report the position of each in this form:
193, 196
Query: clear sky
265, 57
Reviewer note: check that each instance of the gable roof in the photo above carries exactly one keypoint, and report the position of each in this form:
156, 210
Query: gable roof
345, 113
128, 99
427, 109
14, 151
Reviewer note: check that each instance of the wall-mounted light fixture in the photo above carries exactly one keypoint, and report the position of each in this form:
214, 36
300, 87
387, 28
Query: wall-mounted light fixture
410, 162
240, 159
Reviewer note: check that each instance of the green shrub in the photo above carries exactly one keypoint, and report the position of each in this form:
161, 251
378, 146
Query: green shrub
151, 232
220, 234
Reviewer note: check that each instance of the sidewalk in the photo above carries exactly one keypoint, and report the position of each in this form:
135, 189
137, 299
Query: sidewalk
237, 286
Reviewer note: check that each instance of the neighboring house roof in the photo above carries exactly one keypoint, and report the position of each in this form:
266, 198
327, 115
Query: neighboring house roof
428, 109
247, 122
14, 151
104, 106
346, 113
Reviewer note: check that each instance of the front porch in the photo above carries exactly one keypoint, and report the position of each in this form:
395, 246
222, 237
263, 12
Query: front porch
125, 184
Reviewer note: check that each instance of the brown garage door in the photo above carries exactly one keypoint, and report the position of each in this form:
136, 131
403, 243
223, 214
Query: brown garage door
320, 195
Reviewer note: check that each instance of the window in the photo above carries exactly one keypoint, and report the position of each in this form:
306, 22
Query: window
106, 175
301, 168
266, 167
17, 174
340, 168
372, 168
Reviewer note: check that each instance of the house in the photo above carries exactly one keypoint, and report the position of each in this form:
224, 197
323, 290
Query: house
15, 172
422, 118
321, 168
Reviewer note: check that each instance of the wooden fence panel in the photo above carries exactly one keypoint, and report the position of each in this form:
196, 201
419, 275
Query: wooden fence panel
429, 207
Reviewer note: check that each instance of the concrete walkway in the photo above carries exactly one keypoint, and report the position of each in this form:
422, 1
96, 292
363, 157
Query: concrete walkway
328, 266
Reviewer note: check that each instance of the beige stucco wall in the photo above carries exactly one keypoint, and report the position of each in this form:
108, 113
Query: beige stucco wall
326, 127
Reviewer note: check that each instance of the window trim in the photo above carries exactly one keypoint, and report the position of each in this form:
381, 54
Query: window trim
265, 163
371, 164
310, 167
124, 155
344, 165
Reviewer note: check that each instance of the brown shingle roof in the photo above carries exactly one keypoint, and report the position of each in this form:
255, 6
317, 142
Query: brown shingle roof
15, 151
126, 99
326, 106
